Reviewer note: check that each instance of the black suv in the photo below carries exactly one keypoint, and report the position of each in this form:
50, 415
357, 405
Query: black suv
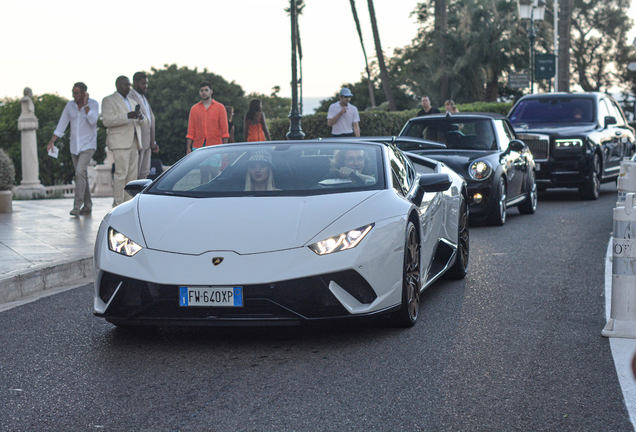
577, 139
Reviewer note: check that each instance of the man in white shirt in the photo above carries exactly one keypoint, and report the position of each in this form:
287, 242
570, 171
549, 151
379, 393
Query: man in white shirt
342, 117
82, 114
148, 144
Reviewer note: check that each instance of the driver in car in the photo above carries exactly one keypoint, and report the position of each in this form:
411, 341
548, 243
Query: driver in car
351, 164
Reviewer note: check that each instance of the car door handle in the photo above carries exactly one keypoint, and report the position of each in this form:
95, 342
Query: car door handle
618, 133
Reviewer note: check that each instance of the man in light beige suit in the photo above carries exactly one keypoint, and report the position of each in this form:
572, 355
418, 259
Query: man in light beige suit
124, 121
148, 143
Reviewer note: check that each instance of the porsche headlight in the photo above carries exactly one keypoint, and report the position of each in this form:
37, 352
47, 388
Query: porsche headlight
117, 242
341, 242
568, 143
480, 170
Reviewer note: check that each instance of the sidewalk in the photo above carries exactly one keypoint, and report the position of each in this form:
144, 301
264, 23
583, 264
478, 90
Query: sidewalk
43, 246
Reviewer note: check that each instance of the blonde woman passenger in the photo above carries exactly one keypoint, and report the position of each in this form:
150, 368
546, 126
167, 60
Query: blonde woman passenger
260, 172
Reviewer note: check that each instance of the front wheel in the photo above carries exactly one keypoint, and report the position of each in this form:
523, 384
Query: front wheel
460, 266
497, 216
529, 205
406, 316
592, 185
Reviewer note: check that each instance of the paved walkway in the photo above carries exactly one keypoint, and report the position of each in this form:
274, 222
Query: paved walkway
42, 245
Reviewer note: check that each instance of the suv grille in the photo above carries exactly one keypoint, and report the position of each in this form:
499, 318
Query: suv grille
538, 147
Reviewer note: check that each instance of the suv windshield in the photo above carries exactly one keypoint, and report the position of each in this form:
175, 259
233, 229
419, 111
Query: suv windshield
462, 134
554, 110
278, 169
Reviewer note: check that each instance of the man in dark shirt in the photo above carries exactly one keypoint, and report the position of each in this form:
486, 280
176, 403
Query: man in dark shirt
427, 108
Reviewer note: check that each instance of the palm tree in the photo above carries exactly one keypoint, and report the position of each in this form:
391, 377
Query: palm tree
300, 5
366, 61
441, 27
384, 75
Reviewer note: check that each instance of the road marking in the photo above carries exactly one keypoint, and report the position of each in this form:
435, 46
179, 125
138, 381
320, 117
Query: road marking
622, 349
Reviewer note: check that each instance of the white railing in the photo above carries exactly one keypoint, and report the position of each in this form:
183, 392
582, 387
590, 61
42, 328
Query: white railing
66, 191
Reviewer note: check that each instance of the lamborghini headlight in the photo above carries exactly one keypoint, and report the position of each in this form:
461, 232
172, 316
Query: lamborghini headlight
568, 143
344, 241
480, 170
117, 242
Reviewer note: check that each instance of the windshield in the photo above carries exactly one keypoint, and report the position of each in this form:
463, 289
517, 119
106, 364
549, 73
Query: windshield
277, 169
461, 134
554, 110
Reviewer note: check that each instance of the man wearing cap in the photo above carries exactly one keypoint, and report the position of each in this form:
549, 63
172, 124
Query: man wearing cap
342, 117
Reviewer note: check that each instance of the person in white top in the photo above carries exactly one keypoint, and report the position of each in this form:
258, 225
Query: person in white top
342, 117
82, 113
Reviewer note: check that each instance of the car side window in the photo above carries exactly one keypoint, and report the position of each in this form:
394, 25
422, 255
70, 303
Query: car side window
603, 111
503, 134
620, 118
403, 174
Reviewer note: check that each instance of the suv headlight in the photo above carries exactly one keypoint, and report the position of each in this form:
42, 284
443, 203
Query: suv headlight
568, 143
341, 242
480, 170
117, 242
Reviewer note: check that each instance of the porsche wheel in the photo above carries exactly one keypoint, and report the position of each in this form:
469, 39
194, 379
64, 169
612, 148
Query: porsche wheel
460, 266
497, 216
407, 315
592, 185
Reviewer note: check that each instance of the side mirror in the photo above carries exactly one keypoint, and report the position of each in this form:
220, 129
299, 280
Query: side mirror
431, 183
610, 120
136, 186
435, 182
516, 145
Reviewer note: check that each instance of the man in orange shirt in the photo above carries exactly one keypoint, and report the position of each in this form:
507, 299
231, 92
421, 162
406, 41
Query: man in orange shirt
207, 124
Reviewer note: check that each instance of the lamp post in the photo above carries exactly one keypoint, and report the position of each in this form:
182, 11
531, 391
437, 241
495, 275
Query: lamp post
295, 131
532, 11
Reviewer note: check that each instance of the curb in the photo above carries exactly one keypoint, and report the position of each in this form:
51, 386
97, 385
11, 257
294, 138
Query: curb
44, 277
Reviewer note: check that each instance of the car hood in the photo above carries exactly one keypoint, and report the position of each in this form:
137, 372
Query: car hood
245, 225
554, 129
458, 160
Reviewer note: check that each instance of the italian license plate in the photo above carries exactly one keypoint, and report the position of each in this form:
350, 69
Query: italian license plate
215, 297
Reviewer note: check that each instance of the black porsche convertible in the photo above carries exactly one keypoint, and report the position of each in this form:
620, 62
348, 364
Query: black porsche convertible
484, 148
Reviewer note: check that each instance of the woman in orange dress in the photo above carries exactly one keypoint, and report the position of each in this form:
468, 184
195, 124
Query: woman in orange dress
255, 127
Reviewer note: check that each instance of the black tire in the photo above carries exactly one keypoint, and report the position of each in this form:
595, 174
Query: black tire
497, 216
591, 187
460, 266
529, 205
407, 315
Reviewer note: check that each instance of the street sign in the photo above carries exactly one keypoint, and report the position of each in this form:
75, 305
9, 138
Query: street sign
632, 66
519, 80
544, 66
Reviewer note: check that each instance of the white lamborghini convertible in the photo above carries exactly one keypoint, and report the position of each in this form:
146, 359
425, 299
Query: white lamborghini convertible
282, 233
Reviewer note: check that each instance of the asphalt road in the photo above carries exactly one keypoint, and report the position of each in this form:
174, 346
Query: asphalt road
516, 346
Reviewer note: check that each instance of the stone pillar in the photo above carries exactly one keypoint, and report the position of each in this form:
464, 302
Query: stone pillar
103, 185
30, 187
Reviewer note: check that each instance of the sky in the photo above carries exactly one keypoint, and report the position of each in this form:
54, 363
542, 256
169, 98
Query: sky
54, 44
50, 45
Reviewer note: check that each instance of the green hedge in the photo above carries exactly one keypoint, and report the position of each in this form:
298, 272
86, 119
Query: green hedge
372, 123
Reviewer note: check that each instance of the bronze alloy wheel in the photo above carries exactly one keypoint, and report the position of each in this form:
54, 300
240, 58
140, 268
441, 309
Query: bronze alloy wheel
460, 266
407, 315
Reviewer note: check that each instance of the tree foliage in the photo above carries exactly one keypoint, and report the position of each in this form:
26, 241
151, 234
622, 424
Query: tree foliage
374, 123
468, 62
599, 34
